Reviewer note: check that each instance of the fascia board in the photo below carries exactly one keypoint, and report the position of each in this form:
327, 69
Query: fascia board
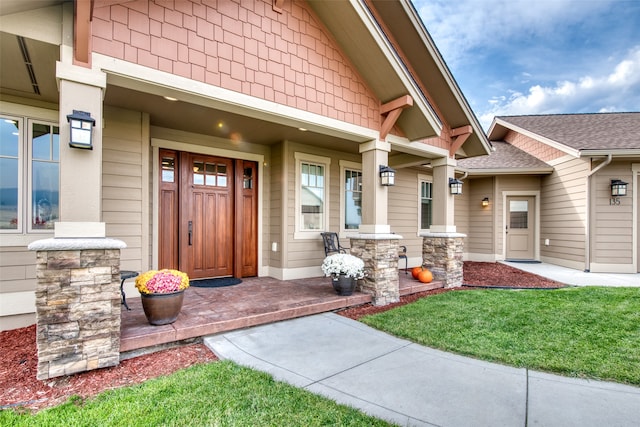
615, 153
137, 77
512, 171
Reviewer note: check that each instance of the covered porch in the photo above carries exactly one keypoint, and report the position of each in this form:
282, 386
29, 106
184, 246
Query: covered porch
255, 301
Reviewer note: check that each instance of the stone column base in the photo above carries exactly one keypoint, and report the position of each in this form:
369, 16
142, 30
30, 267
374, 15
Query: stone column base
77, 305
380, 255
442, 254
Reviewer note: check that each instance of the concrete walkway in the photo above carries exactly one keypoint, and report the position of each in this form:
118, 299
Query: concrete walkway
577, 277
409, 384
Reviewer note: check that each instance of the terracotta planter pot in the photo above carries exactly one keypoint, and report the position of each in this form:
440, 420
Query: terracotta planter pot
343, 285
162, 309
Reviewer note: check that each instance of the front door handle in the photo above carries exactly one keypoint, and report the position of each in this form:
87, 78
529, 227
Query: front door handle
190, 233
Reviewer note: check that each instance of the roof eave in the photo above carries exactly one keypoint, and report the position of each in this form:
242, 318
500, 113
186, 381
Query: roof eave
628, 152
507, 171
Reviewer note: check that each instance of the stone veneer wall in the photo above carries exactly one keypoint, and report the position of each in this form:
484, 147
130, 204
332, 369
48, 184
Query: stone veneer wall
442, 254
380, 256
77, 305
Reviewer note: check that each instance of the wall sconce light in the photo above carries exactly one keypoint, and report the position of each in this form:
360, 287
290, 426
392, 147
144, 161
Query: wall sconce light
387, 176
455, 186
81, 129
618, 188
485, 202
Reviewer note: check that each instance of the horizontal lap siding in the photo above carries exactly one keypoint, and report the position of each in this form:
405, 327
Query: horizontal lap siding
563, 211
403, 211
612, 232
276, 206
480, 238
122, 183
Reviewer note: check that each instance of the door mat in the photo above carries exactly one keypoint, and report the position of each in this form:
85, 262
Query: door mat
524, 261
215, 283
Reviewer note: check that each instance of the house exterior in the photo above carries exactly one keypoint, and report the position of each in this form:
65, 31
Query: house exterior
549, 190
226, 135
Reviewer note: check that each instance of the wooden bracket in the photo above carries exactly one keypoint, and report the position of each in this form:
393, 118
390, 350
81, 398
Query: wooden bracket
277, 5
459, 136
82, 32
393, 110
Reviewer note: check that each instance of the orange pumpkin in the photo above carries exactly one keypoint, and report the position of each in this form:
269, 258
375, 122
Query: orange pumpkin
425, 276
415, 271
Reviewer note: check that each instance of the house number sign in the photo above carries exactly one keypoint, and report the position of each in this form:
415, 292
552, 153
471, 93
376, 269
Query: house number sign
614, 201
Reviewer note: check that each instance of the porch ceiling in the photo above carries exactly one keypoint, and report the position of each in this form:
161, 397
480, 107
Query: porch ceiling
195, 118
28, 68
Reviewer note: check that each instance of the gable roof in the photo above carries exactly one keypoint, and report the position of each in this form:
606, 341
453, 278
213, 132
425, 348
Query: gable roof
578, 134
505, 159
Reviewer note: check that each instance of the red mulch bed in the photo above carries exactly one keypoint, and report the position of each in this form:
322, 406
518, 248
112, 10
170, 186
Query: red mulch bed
18, 363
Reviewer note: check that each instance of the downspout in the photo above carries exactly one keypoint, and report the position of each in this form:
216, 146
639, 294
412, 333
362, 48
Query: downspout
587, 234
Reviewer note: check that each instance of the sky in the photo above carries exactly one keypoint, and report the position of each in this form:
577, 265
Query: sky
521, 57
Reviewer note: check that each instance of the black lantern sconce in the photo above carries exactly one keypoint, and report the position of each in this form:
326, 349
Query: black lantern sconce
81, 129
455, 186
387, 176
485, 202
618, 188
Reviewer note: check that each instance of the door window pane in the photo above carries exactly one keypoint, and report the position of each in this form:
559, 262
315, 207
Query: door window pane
518, 214
352, 199
168, 169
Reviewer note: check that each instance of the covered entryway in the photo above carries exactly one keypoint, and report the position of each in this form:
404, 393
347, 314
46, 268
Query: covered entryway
208, 215
520, 228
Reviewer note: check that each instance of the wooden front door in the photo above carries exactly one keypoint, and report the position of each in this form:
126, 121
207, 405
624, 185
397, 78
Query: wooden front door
520, 228
208, 215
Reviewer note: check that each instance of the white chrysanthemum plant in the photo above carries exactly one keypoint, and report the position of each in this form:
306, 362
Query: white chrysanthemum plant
349, 265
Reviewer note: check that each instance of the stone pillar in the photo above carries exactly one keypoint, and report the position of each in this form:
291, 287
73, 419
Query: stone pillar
442, 254
77, 304
380, 255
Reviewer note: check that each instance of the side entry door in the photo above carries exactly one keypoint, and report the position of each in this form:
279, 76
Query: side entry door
520, 228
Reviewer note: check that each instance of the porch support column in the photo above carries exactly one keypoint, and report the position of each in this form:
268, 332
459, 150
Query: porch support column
374, 203
80, 169
442, 246
375, 244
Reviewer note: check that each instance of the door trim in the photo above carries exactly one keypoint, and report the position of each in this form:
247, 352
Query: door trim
530, 193
158, 143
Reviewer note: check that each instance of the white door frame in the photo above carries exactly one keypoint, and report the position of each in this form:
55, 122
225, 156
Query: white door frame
528, 193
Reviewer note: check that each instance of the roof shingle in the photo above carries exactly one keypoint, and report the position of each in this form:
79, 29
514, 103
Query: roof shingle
505, 156
600, 131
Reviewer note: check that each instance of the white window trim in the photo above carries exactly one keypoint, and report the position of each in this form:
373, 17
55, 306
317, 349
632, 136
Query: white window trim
311, 158
422, 178
346, 165
21, 172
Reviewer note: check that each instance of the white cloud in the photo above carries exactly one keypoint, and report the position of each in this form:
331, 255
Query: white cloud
616, 90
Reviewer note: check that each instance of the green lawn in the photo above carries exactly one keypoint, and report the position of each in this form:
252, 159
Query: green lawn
214, 394
589, 332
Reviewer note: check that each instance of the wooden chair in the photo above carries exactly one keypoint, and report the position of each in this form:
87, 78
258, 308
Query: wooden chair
332, 243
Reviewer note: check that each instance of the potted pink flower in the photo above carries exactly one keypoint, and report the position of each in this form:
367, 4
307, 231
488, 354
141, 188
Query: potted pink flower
162, 293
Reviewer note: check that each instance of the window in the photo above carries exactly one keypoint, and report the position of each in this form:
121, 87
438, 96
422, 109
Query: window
519, 214
350, 196
33, 184
311, 193
426, 204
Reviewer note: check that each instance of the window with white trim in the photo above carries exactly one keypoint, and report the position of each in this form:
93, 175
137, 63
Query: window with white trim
426, 204
350, 196
312, 177
29, 175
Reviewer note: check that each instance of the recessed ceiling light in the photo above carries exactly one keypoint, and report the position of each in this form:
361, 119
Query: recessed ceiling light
302, 129
170, 98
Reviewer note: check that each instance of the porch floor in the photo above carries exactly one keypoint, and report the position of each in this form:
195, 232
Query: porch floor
255, 301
